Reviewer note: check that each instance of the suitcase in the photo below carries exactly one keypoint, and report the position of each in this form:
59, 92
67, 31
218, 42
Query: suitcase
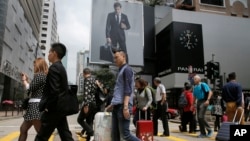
145, 129
224, 131
106, 53
102, 126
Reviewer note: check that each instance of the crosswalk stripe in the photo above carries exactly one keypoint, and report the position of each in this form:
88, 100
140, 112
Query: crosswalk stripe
52, 137
80, 138
175, 138
15, 135
10, 137
172, 137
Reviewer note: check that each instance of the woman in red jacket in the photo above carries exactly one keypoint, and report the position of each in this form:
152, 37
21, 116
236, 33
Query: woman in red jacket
188, 110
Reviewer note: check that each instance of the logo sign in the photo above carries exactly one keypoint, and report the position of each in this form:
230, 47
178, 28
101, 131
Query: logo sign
238, 132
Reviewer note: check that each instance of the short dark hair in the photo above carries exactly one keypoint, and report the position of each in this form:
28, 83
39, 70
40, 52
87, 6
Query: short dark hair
117, 4
86, 71
60, 49
232, 76
188, 86
185, 84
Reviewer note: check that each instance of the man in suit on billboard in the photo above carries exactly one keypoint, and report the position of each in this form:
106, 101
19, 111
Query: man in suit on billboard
117, 22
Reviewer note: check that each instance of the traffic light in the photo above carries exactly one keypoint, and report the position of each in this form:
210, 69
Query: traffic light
219, 82
216, 70
208, 70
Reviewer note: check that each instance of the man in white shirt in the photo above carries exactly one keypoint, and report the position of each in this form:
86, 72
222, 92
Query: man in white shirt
160, 111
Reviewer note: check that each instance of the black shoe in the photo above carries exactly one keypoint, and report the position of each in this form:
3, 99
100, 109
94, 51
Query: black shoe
180, 128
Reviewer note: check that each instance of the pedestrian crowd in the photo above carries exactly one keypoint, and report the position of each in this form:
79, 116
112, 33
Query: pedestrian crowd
129, 93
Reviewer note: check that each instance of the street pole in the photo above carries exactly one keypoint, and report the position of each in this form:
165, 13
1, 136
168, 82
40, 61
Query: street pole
213, 80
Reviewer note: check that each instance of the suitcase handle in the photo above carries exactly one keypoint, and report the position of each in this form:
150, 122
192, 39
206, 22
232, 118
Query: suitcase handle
240, 115
140, 114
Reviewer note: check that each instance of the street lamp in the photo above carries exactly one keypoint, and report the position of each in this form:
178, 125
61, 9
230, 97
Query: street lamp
37, 45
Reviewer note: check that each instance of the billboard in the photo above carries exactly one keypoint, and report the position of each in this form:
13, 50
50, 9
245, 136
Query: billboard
116, 25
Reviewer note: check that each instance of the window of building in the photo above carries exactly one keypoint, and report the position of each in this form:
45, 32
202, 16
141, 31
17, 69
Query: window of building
44, 28
44, 35
45, 16
21, 20
46, 10
213, 2
46, 4
14, 8
43, 41
45, 22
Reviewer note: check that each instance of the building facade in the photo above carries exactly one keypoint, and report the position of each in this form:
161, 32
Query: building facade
19, 34
219, 33
48, 29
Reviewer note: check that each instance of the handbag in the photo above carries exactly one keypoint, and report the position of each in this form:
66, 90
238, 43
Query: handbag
25, 102
106, 53
67, 104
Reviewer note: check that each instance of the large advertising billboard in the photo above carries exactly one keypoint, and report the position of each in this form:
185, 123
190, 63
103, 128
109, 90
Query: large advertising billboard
116, 25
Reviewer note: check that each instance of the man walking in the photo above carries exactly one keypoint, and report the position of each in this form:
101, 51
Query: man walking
203, 94
56, 85
88, 109
122, 100
161, 107
232, 95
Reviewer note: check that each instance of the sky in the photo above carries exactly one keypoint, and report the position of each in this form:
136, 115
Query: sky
73, 27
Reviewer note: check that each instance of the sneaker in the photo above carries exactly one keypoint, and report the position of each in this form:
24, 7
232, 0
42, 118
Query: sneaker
201, 136
210, 132
79, 133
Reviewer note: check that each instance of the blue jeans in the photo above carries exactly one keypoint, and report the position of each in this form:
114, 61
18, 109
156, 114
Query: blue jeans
120, 125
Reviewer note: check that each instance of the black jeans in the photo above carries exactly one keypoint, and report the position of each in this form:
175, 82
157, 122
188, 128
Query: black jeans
186, 118
217, 122
161, 112
50, 121
86, 120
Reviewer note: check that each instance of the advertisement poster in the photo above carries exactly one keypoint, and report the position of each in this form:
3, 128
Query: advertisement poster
116, 25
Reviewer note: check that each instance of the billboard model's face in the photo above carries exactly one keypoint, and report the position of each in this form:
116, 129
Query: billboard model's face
118, 10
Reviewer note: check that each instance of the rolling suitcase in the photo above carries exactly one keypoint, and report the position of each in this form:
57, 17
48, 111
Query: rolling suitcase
106, 53
144, 129
224, 131
102, 126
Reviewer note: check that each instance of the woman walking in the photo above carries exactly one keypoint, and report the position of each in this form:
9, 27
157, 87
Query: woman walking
143, 99
35, 91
